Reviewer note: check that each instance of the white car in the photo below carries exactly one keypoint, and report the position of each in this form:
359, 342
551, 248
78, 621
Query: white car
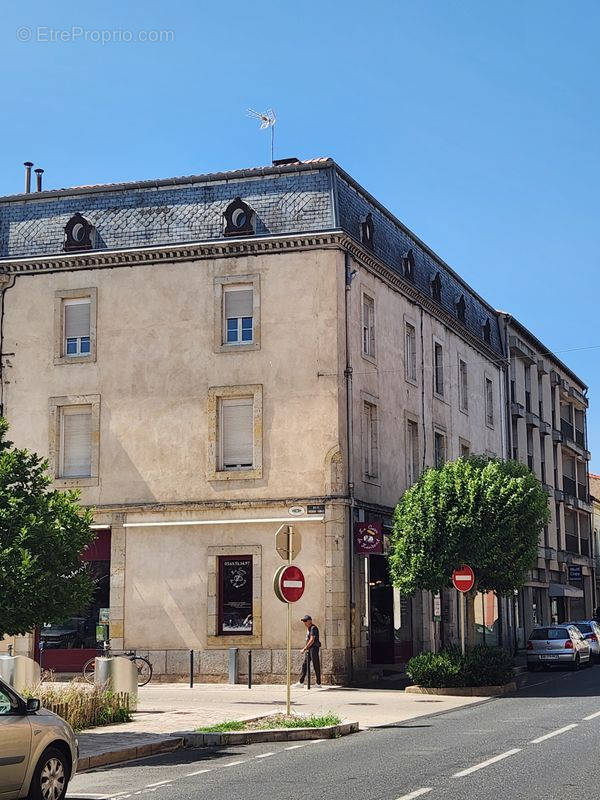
38, 749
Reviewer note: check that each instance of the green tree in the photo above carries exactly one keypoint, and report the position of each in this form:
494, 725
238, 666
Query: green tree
486, 513
42, 534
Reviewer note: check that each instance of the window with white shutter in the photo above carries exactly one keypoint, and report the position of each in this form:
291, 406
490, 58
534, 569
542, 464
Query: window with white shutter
76, 315
236, 433
238, 314
76, 442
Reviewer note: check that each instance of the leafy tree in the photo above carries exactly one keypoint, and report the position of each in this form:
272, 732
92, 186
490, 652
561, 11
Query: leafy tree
42, 533
486, 513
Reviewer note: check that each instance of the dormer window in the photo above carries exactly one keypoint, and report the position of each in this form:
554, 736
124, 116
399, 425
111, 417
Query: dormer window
436, 288
487, 332
461, 308
408, 265
239, 219
366, 231
79, 234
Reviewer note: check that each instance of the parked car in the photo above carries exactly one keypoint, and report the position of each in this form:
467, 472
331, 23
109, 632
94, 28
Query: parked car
591, 633
557, 645
38, 749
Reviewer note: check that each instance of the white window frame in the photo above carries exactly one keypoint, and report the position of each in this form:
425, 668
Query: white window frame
463, 385
489, 401
215, 395
57, 407
78, 301
410, 352
243, 287
233, 401
64, 297
368, 326
222, 284
71, 411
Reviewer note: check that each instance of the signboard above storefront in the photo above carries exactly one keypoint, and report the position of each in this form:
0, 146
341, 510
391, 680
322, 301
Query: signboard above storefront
575, 572
368, 538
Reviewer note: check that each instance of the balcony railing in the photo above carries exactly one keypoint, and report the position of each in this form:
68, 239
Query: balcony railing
566, 429
571, 543
569, 486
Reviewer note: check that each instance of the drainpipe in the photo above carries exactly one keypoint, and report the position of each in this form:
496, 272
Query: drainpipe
349, 274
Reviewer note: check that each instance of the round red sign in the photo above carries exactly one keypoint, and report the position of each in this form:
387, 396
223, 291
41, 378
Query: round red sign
463, 578
289, 583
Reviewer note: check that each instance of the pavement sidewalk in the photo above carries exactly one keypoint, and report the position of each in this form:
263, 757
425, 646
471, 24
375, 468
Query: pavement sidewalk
166, 709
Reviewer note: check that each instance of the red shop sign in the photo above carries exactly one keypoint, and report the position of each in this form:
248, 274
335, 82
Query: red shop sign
368, 538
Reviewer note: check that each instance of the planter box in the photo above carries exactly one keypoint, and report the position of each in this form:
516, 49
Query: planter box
465, 691
191, 739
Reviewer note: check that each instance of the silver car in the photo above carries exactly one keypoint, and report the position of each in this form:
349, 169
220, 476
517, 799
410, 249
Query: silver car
38, 749
557, 645
591, 633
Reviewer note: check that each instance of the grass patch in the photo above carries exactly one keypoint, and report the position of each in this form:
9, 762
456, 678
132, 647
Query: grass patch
274, 722
83, 706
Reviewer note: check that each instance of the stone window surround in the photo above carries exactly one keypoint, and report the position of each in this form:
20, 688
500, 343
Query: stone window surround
366, 292
410, 417
365, 397
54, 406
443, 397
488, 377
215, 394
408, 320
220, 281
213, 640
461, 408
60, 295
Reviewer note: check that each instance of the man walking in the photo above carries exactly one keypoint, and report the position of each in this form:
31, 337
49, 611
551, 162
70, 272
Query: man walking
311, 650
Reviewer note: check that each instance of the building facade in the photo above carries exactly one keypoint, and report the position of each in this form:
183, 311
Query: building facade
548, 432
209, 358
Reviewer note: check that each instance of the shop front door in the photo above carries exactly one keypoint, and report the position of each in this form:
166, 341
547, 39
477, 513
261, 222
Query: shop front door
381, 604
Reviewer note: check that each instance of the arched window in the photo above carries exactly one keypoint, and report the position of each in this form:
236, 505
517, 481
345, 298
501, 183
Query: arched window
436, 288
408, 265
79, 234
239, 219
366, 231
461, 308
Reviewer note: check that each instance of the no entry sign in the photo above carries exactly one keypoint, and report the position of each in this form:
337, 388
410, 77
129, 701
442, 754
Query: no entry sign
463, 578
289, 583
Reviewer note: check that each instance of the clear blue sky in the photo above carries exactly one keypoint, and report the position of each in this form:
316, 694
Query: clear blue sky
477, 123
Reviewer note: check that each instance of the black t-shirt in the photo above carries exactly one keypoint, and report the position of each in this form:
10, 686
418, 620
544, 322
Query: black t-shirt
313, 631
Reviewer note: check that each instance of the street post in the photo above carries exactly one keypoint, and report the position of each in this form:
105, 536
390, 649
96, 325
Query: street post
463, 580
289, 587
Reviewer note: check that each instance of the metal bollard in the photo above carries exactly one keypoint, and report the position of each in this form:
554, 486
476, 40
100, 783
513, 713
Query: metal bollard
191, 669
249, 669
308, 669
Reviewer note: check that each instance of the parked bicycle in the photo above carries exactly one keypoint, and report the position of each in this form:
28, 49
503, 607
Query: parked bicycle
142, 665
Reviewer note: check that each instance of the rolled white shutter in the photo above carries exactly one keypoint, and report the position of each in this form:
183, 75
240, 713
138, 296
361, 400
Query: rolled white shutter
238, 303
77, 319
237, 432
77, 444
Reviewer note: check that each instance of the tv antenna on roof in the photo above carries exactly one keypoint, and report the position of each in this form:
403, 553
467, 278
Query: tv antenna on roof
267, 120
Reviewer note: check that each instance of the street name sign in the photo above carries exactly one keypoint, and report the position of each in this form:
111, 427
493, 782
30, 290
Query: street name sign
463, 579
289, 583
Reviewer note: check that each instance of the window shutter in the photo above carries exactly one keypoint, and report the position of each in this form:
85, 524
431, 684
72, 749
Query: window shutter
238, 303
237, 432
77, 320
77, 444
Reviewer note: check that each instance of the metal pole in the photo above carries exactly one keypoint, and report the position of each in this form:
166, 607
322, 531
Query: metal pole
462, 622
288, 704
249, 669
191, 669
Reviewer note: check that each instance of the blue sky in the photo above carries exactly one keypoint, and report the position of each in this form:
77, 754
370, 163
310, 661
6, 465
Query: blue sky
476, 123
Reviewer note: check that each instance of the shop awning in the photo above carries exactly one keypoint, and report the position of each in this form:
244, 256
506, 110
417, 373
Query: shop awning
562, 590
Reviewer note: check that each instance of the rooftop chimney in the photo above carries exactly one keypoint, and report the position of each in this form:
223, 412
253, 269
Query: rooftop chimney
38, 176
28, 165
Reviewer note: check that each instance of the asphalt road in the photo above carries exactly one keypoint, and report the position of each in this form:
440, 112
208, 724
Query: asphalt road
540, 744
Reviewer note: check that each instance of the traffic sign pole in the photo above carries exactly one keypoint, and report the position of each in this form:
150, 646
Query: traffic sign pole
461, 597
288, 704
463, 580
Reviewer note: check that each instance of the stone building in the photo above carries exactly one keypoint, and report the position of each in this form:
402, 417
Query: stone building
548, 432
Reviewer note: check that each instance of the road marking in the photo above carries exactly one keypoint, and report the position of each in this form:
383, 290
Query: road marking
293, 747
264, 755
487, 763
592, 716
235, 763
198, 772
416, 793
554, 733
158, 783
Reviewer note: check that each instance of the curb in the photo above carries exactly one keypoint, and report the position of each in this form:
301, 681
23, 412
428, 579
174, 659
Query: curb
192, 739
465, 691
167, 745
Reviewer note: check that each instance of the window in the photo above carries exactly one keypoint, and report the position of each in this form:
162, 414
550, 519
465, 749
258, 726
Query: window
77, 327
410, 352
238, 315
75, 442
438, 369
489, 402
368, 326
439, 449
436, 288
8, 703
465, 449
74, 325
487, 332
412, 452
408, 265
461, 308
370, 448
236, 433
463, 385
235, 596
239, 219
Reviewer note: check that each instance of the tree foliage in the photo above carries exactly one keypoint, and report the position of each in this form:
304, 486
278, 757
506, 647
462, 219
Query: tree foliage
42, 534
486, 513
